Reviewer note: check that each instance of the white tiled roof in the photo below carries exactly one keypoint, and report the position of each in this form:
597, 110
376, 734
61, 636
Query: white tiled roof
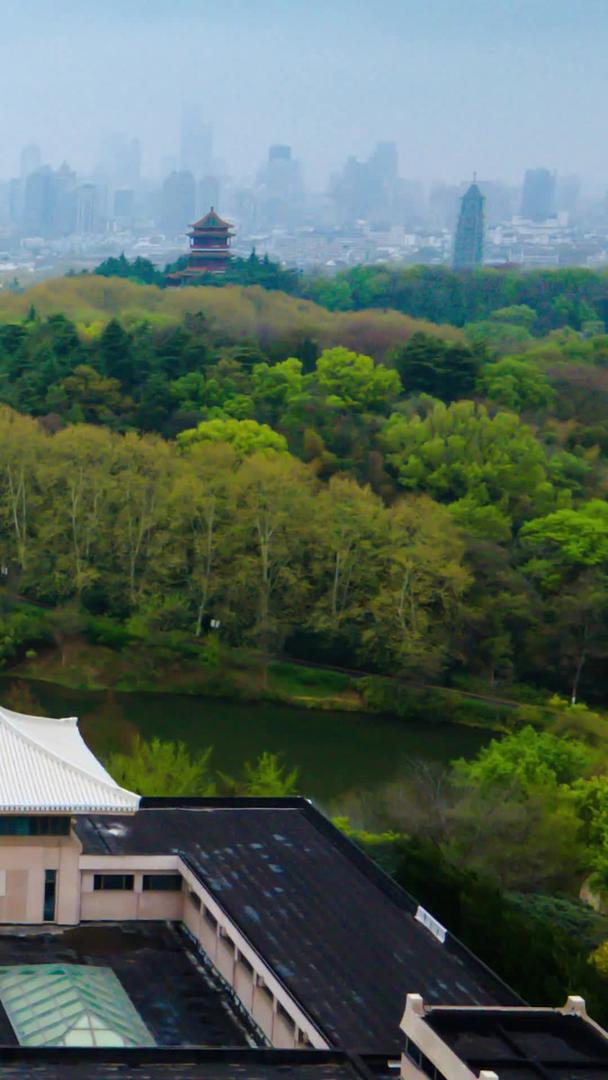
45, 767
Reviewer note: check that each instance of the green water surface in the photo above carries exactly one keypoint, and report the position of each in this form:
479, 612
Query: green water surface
341, 756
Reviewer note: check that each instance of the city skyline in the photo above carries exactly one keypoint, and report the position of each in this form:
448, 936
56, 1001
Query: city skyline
414, 73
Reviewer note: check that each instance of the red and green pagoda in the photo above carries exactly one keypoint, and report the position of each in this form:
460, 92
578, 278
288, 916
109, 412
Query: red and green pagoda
209, 247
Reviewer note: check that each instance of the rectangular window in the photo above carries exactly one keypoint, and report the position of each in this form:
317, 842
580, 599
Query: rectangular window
50, 884
194, 900
162, 883
211, 919
282, 1012
109, 882
19, 825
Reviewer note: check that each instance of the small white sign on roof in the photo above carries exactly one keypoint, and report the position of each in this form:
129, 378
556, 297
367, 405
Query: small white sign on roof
46, 767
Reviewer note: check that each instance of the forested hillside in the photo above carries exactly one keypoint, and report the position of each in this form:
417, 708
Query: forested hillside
424, 503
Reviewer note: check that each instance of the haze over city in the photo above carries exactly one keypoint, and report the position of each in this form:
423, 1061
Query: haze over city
485, 87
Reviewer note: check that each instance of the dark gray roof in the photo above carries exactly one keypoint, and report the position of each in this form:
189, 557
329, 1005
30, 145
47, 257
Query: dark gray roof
76, 1064
524, 1044
180, 1002
185, 1064
339, 934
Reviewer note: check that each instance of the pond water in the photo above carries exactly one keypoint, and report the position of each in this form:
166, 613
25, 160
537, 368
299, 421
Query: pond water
342, 757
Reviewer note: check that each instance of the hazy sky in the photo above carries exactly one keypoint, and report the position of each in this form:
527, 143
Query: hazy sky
491, 85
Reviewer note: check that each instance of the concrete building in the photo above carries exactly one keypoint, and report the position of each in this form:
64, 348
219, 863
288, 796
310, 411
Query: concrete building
475, 1043
222, 939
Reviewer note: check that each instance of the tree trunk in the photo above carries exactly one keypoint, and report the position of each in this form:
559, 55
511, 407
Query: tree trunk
580, 665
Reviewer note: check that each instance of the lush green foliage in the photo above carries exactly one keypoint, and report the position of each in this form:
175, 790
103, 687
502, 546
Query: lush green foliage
508, 453
539, 944
537, 301
165, 768
162, 768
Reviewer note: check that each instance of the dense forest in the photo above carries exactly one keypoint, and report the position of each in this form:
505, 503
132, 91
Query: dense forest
427, 504
352, 487
572, 297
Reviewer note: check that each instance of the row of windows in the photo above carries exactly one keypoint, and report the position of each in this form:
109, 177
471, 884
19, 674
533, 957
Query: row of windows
42, 825
126, 882
211, 919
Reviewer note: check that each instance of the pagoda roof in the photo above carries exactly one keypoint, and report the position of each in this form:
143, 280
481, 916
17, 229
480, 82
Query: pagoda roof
211, 220
47, 768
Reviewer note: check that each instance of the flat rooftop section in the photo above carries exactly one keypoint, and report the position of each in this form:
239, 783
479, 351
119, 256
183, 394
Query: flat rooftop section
335, 929
180, 1002
524, 1044
181, 1065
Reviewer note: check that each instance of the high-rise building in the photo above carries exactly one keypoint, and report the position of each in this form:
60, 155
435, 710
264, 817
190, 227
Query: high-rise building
38, 202
468, 243
196, 142
207, 194
444, 201
369, 189
567, 194
538, 195
178, 202
88, 216
50, 202
31, 159
124, 206
280, 188
122, 160
383, 165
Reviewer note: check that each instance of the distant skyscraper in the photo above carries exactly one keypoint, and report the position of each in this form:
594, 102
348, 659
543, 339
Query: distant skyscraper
196, 142
207, 194
279, 188
178, 202
124, 206
88, 217
369, 189
383, 165
38, 209
122, 160
468, 243
538, 196
279, 152
567, 193
281, 177
31, 159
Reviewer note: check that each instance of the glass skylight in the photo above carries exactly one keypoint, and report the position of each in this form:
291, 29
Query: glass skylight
70, 1005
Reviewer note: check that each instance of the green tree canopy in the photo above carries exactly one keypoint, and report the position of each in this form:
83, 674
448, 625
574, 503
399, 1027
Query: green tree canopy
353, 381
516, 384
245, 436
526, 759
162, 768
567, 541
460, 451
443, 369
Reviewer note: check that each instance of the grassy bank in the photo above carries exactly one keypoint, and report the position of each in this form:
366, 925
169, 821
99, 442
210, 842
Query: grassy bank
102, 657
228, 673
